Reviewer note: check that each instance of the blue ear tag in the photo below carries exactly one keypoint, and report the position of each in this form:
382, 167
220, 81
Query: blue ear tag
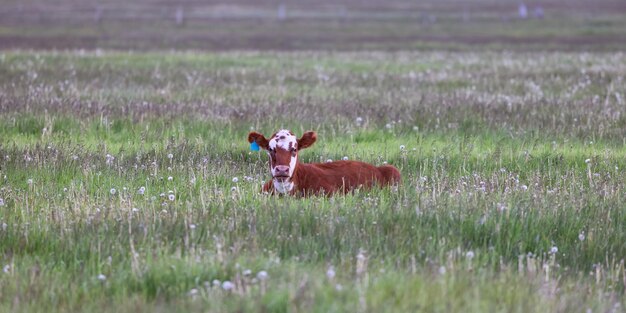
254, 146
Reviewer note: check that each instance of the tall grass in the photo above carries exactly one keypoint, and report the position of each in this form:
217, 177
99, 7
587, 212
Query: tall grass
127, 184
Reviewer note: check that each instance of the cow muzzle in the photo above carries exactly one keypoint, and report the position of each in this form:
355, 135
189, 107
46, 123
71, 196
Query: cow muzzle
281, 172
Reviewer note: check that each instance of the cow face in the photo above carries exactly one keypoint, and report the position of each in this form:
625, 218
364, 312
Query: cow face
282, 148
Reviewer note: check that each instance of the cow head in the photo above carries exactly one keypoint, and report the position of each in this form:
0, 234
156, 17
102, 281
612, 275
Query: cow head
282, 148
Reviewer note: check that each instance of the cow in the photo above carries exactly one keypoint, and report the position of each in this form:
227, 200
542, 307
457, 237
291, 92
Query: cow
290, 177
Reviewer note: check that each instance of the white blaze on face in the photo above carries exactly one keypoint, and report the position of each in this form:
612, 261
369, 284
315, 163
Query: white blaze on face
285, 140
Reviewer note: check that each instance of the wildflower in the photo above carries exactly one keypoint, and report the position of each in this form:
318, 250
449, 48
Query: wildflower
469, 255
262, 275
6, 268
30, 181
101, 277
227, 285
113, 191
388, 126
442, 270
233, 189
359, 120
554, 250
109, 159
235, 180
171, 197
1, 202
216, 283
524, 187
330, 273
329, 160
192, 226
247, 272
345, 158
402, 147
587, 161
170, 156
135, 210
193, 292
141, 190
581, 236
170, 178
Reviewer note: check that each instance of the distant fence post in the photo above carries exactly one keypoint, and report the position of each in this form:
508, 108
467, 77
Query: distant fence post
97, 16
522, 11
282, 12
180, 17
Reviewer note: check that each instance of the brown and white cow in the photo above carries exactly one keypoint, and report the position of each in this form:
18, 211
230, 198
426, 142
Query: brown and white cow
289, 176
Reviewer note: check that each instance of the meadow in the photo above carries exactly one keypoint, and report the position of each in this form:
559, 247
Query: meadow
127, 183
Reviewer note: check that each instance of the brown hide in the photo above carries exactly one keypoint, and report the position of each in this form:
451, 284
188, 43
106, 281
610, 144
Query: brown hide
339, 176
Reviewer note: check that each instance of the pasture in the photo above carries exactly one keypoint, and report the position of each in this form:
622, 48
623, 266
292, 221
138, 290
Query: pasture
127, 183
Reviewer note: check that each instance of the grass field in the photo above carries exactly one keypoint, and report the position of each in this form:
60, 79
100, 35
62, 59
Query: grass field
127, 184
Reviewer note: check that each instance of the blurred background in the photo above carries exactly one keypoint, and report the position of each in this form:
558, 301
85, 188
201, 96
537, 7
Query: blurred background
543, 25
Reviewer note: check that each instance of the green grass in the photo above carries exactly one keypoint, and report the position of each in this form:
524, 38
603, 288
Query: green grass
512, 197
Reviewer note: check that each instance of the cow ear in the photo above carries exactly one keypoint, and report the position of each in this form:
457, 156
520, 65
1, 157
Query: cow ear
307, 140
259, 139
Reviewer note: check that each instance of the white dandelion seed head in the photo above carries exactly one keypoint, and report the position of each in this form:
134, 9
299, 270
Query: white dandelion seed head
233, 189
581, 236
113, 191
554, 250
587, 161
402, 147
329, 160
192, 226
227, 285
101, 277
6, 268
193, 292
330, 272
247, 272
216, 283
141, 190
345, 158
442, 270
170, 178
359, 120
235, 180
30, 181
1, 202
262, 275
170, 156
135, 210
524, 187
171, 197
469, 254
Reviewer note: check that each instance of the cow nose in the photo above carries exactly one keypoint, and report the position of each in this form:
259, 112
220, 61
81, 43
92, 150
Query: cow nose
282, 170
